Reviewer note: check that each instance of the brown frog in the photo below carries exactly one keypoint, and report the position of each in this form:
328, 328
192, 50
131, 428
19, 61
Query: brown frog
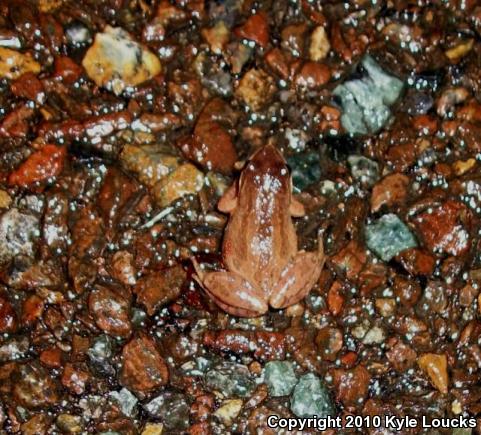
260, 253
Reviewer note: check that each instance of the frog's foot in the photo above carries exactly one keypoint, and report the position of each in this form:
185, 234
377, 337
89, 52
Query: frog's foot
234, 294
297, 279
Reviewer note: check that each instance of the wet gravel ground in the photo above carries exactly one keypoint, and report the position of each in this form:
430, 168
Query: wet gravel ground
122, 122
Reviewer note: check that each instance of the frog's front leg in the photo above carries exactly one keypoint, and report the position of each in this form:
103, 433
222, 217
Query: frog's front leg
297, 278
233, 294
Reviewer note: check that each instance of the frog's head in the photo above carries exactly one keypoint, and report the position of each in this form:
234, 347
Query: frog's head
267, 167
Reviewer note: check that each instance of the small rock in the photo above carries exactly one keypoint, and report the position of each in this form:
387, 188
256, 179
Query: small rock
148, 164
13, 64
388, 236
230, 379
153, 429
77, 34
34, 388
75, 379
365, 102
228, 411
460, 167
376, 335
417, 262
320, 46
255, 89
100, 354
351, 385
390, 191
306, 170
143, 369
14, 349
445, 229
217, 36
70, 424
296, 139
8, 317
5, 199
172, 408
40, 166
158, 288
117, 62
111, 311
18, 233
38, 424
123, 268
386, 306
256, 28
126, 400
436, 367
313, 75
185, 180
311, 398
401, 356
280, 378
459, 50
364, 170
329, 341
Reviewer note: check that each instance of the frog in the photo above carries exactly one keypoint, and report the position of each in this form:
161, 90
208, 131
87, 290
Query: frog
263, 266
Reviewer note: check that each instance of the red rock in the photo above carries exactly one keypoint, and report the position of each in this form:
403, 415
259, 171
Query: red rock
277, 60
28, 86
256, 29
313, 75
446, 229
41, 165
351, 385
16, 123
111, 311
264, 345
425, 124
390, 191
32, 310
417, 262
143, 369
158, 288
351, 260
329, 341
51, 357
400, 355
8, 317
67, 70
335, 299
408, 291
74, 379
211, 145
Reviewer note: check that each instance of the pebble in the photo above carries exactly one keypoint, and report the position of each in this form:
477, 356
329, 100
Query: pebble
230, 379
143, 368
351, 385
255, 88
280, 378
158, 288
306, 169
446, 228
19, 231
13, 64
217, 36
228, 411
390, 191
364, 170
320, 46
388, 236
5, 199
365, 102
256, 28
185, 180
70, 424
153, 429
111, 311
172, 408
149, 165
116, 61
126, 400
311, 398
436, 367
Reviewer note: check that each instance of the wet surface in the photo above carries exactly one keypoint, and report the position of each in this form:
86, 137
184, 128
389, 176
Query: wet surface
121, 123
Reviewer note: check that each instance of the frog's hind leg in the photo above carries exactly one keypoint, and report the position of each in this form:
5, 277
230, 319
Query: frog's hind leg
234, 294
297, 279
